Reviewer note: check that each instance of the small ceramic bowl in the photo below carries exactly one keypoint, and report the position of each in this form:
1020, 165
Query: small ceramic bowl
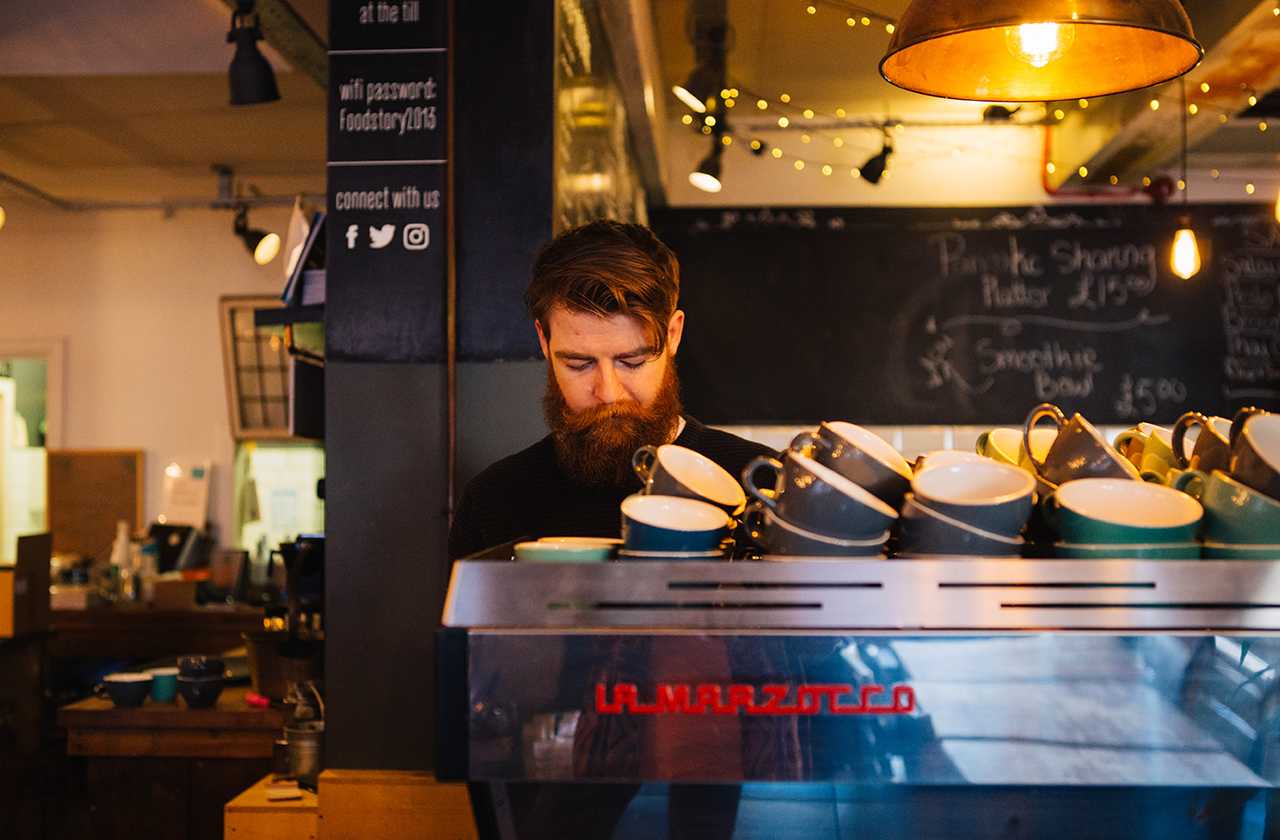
127, 690
200, 692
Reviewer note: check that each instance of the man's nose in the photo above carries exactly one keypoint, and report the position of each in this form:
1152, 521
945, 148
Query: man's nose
608, 388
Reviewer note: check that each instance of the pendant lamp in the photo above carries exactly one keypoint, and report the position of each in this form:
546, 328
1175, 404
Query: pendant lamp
1038, 50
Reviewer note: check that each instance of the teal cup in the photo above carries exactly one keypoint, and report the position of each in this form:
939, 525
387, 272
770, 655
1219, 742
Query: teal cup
1129, 551
672, 523
1227, 551
1233, 511
164, 684
1110, 511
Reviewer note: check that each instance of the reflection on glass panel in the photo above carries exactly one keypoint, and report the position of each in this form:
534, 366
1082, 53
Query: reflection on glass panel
595, 174
250, 383
244, 327
277, 413
251, 416
1025, 735
274, 383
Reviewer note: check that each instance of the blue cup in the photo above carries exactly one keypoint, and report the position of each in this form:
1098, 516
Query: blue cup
164, 684
672, 523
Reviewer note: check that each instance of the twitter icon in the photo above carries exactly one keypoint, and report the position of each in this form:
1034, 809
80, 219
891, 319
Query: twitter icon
380, 237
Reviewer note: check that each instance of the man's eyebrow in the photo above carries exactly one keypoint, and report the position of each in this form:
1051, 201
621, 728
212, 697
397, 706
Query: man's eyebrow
585, 357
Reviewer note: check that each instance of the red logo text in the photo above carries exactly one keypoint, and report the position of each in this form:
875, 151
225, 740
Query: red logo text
734, 699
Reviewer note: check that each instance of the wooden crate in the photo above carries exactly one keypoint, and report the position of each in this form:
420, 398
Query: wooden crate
251, 816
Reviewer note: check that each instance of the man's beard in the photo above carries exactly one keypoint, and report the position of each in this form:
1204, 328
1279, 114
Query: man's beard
594, 446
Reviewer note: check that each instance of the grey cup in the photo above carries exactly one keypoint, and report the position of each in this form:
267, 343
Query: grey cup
859, 455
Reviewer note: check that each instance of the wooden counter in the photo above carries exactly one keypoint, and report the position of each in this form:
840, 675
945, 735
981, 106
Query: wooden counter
166, 771
141, 632
231, 729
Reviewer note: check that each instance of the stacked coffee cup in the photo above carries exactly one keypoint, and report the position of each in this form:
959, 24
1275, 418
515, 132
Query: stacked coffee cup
1094, 503
684, 511
835, 493
1236, 477
963, 507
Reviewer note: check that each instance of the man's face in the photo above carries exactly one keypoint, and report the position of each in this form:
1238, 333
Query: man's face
599, 361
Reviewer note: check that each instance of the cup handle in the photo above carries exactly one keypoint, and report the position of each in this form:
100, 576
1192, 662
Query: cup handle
1191, 482
1037, 414
749, 481
1237, 422
1121, 445
1185, 422
642, 461
980, 446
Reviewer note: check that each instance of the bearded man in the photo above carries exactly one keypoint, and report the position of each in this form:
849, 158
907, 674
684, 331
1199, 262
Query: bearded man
604, 302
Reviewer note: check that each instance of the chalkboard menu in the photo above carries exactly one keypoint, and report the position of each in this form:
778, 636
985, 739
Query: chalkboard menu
386, 237
888, 316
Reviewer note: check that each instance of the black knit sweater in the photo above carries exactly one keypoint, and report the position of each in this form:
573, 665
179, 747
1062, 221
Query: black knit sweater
528, 495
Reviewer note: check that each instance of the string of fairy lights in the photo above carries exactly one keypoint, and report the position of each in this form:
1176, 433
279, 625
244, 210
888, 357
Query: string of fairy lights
834, 126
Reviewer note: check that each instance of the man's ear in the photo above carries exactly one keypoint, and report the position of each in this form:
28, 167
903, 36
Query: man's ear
675, 331
542, 339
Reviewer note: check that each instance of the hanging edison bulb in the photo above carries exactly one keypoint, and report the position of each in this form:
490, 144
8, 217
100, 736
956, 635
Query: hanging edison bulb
1185, 259
1038, 44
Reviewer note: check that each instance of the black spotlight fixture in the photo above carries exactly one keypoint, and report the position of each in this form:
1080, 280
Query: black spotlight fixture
708, 30
707, 176
263, 245
873, 170
252, 79
703, 84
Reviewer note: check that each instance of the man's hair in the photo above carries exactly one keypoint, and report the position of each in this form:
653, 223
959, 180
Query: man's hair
607, 268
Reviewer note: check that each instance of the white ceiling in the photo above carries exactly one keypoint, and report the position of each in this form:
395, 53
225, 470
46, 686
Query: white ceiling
127, 101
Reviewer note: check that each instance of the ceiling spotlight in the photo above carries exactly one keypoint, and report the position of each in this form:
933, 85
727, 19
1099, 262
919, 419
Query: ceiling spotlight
707, 176
697, 89
999, 113
263, 245
252, 79
873, 170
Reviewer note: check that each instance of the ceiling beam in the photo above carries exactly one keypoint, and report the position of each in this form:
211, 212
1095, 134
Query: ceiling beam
1125, 137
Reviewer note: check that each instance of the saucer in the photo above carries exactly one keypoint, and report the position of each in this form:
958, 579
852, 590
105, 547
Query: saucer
626, 554
556, 552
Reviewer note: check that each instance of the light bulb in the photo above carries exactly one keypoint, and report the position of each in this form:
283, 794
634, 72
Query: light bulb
691, 101
1278, 206
3, 217
705, 182
1039, 43
1185, 260
266, 249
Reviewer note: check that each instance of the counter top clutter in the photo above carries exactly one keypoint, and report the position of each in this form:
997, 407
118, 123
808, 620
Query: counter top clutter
1207, 487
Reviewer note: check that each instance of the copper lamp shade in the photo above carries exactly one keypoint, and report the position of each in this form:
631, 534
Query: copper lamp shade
1038, 50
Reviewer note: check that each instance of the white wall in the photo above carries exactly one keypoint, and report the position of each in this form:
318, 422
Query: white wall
135, 296
931, 167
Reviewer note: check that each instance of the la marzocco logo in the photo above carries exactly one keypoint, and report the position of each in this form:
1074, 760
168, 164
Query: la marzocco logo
734, 699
